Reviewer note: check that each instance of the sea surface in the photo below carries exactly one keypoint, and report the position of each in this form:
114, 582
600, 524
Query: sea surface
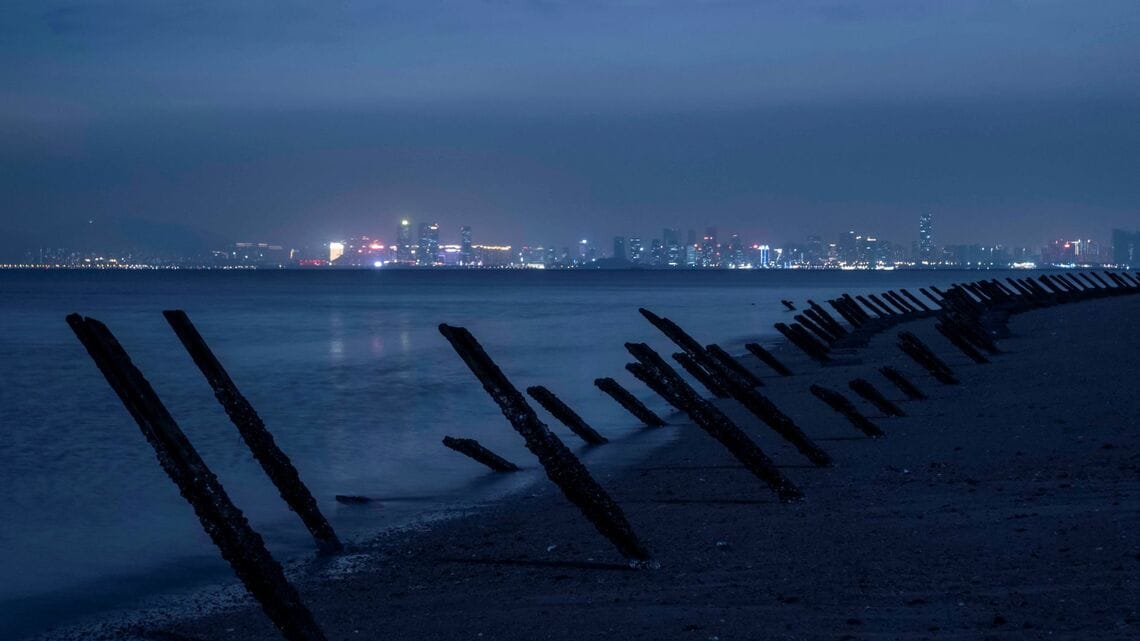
349, 372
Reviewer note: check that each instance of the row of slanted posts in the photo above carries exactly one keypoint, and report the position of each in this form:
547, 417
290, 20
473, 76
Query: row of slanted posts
971, 316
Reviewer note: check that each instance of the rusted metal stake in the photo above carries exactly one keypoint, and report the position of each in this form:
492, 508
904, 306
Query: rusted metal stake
713, 421
273, 460
729, 362
239, 543
871, 394
839, 403
568, 417
768, 358
471, 448
562, 467
923, 355
629, 402
905, 386
703, 377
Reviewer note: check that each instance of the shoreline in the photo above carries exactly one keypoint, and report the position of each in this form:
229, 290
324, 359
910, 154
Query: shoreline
534, 556
576, 559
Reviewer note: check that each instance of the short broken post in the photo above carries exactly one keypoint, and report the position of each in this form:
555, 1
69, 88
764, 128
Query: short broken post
871, 394
239, 543
471, 448
841, 404
273, 460
568, 417
562, 467
630, 402
902, 382
768, 358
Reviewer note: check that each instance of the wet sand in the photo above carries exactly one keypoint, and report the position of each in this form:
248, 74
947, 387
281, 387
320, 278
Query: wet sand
1007, 507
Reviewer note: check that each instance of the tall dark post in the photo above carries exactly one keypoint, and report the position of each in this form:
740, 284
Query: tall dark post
703, 377
839, 403
275, 462
871, 394
923, 355
727, 360
902, 382
768, 358
562, 467
239, 543
561, 411
629, 402
710, 419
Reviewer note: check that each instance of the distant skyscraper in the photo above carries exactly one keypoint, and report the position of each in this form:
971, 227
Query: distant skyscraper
465, 255
926, 236
671, 238
635, 250
619, 248
428, 252
1125, 248
404, 241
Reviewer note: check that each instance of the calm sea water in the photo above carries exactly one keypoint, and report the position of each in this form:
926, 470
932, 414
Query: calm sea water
351, 375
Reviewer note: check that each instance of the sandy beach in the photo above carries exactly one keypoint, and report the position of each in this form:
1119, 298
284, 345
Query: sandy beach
1007, 507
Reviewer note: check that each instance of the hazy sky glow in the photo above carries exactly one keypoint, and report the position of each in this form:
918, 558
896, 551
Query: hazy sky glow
542, 121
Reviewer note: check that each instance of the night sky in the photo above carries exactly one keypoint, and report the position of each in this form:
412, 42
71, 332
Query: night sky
546, 121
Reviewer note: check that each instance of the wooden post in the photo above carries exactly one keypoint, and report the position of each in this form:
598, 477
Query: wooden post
703, 377
739, 388
839, 403
714, 422
957, 340
562, 467
768, 358
273, 460
789, 304
871, 394
894, 376
878, 301
819, 333
809, 346
932, 297
629, 402
827, 321
642, 373
840, 305
239, 543
471, 448
727, 360
915, 301
923, 355
568, 417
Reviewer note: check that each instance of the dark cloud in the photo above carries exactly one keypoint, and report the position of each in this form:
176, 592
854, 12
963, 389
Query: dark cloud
543, 121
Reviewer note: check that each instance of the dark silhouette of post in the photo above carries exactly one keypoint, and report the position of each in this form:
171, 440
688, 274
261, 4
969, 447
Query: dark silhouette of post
710, 419
730, 363
562, 467
471, 448
568, 417
768, 358
273, 460
902, 382
629, 402
703, 377
871, 394
839, 403
239, 543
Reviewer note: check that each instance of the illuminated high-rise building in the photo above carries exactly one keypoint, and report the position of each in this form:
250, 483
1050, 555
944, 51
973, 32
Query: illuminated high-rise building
926, 236
465, 255
336, 250
635, 250
404, 241
427, 253
619, 248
